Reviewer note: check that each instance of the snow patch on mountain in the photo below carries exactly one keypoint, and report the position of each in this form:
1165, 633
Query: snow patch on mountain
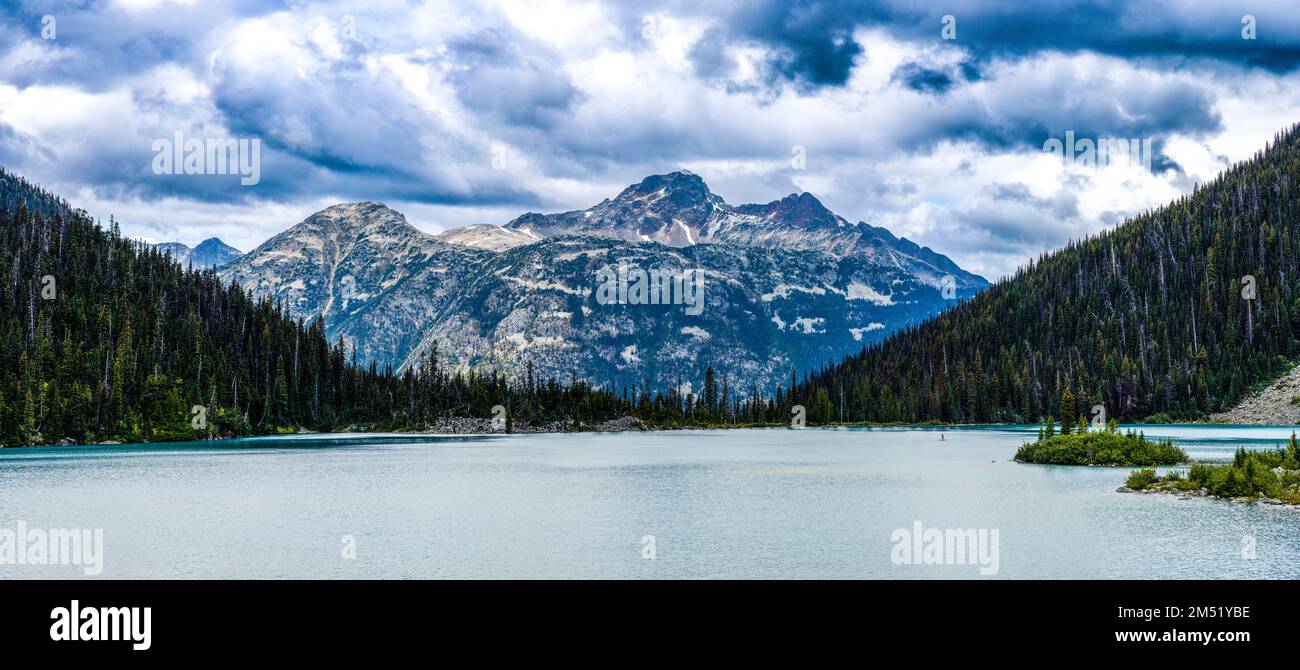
809, 325
858, 291
858, 332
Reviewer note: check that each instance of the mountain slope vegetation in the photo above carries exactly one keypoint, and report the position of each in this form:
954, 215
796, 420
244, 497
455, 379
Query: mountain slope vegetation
1172, 315
106, 338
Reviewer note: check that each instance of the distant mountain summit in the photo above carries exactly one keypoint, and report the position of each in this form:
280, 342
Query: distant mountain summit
210, 253
678, 210
788, 286
487, 236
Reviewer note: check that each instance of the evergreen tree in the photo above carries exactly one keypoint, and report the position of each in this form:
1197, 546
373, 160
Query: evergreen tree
1067, 410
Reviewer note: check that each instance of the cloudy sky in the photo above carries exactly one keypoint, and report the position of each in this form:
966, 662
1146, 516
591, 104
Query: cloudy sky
474, 111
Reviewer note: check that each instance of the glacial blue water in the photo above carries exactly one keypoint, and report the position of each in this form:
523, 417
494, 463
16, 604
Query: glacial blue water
816, 503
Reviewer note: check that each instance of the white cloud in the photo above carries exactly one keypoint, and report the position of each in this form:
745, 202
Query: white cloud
588, 97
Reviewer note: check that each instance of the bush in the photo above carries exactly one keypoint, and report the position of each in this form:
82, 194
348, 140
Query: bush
1141, 479
1250, 475
1199, 474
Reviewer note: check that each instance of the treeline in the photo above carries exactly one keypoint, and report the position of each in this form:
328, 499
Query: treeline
109, 339
1172, 315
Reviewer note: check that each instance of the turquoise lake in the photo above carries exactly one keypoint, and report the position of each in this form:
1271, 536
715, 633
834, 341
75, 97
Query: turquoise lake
815, 503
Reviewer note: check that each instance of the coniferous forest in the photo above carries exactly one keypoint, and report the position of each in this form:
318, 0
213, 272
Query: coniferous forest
1172, 315
108, 339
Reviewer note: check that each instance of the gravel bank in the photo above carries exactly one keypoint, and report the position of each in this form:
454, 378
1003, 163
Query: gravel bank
1273, 406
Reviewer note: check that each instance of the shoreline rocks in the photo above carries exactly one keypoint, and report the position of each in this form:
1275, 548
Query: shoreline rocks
481, 426
1188, 494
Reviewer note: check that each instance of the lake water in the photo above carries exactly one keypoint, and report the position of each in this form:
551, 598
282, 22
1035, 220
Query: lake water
742, 504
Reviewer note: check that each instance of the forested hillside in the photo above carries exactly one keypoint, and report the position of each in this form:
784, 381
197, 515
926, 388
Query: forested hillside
1172, 315
1159, 316
106, 338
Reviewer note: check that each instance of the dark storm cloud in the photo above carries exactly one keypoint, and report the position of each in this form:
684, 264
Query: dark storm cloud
810, 43
920, 78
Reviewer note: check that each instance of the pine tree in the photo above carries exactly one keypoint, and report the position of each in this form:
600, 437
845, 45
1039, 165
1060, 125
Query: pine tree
1067, 410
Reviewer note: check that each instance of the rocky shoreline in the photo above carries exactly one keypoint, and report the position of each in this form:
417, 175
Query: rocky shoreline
1188, 494
480, 426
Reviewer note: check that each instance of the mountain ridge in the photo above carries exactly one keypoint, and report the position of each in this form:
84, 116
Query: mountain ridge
678, 209
502, 297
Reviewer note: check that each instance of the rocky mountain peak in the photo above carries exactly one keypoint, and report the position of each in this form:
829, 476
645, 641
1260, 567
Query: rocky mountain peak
486, 236
209, 253
682, 189
358, 215
799, 210
345, 224
214, 245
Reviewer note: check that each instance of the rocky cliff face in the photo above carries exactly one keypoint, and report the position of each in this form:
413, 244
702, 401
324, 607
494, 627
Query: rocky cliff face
761, 313
373, 277
783, 287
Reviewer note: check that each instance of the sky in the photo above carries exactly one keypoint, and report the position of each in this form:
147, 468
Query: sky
929, 119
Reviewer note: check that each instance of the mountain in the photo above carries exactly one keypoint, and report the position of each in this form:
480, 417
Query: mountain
210, 253
765, 313
486, 236
108, 338
1174, 314
678, 210
373, 277
504, 298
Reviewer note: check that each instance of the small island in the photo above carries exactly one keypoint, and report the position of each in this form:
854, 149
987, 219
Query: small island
1271, 476
1103, 446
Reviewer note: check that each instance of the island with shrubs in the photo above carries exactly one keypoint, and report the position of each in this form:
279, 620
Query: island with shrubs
1105, 445
1268, 476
